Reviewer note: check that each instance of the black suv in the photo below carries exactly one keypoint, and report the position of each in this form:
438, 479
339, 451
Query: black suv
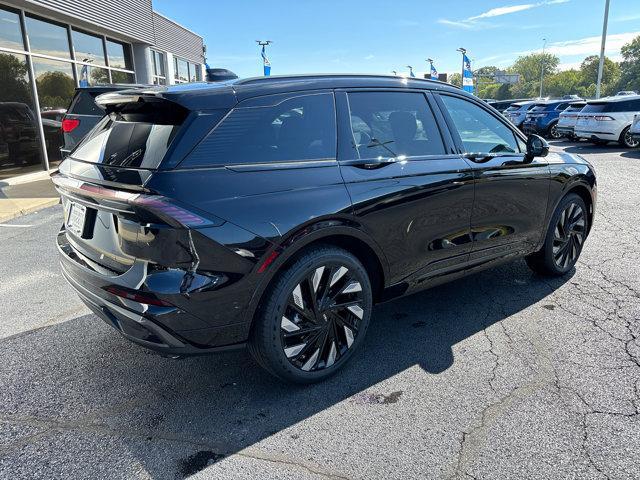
275, 212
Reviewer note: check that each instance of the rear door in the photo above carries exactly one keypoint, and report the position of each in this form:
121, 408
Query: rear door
410, 191
511, 190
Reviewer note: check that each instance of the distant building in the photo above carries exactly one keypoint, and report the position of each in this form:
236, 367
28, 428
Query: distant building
63, 44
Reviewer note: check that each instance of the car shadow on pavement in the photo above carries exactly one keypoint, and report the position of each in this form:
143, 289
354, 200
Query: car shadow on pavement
174, 417
632, 154
583, 148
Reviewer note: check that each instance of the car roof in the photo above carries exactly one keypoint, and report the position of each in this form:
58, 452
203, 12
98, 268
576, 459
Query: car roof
618, 98
522, 104
226, 94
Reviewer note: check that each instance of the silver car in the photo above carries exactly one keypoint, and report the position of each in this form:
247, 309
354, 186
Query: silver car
517, 112
568, 119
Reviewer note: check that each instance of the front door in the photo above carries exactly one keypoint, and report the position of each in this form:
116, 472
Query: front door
511, 189
410, 190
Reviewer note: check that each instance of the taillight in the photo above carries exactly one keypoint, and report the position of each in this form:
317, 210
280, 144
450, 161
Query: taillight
603, 118
69, 124
161, 207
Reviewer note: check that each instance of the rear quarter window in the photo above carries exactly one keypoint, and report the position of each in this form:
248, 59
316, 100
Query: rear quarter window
296, 129
84, 104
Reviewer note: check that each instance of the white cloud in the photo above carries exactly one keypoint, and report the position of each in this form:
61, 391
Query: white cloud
472, 22
371, 56
588, 45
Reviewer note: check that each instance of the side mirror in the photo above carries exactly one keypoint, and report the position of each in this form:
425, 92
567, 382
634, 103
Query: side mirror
537, 146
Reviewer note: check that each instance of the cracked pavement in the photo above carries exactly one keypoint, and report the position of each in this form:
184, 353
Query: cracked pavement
501, 375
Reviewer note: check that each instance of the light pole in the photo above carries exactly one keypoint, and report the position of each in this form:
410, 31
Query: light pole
410, 71
463, 51
394, 72
602, 46
544, 44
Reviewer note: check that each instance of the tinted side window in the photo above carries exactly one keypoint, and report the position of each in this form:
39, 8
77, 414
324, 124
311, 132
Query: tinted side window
625, 106
393, 124
479, 131
299, 128
84, 104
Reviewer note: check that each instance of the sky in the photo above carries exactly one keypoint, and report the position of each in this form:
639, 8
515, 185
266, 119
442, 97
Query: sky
378, 36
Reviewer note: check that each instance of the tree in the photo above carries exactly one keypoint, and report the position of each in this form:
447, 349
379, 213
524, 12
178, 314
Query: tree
610, 73
564, 83
529, 66
455, 79
55, 89
14, 84
630, 66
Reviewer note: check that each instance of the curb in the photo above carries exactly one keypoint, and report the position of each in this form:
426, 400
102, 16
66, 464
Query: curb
25, 211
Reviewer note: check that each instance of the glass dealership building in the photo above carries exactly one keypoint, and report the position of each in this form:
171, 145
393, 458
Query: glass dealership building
50, 47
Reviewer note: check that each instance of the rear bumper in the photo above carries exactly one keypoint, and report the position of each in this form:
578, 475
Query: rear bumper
165, 329
597, 135
565, 130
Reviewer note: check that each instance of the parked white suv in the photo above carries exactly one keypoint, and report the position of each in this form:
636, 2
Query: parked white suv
609, 120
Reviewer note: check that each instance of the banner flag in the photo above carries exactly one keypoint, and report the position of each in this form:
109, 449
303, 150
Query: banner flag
265, 63
84, 76
467, 77
434, 73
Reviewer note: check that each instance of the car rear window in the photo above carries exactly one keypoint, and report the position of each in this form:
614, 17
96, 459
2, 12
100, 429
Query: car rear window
595, 108
84, 104
126, 144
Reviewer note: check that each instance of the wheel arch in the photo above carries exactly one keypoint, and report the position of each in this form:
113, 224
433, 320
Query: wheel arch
346, 237
583, 192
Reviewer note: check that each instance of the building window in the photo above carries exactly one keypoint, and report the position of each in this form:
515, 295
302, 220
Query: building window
119, 55
185, 71
88, 48
47, 38
62, 58
10, 33
19, 145
159, 75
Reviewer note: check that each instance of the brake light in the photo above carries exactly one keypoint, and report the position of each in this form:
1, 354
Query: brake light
603, 118
69, 124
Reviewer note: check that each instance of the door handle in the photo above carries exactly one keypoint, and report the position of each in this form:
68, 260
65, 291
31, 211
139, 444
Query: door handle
369, 163
480, 157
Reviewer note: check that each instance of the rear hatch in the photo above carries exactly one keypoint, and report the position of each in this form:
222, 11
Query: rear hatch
111, 217
588, 117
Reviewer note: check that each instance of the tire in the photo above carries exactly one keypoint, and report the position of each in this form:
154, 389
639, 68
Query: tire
300, 335
626, 140
564, 239
553, 133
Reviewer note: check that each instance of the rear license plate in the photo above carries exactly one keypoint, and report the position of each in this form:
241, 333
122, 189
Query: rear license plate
75, 220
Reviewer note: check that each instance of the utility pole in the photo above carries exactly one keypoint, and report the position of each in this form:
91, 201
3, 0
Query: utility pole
463, 51
602, 47
544, 45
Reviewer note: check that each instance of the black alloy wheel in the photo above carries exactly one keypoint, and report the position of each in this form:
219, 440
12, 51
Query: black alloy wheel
315, 315
321, 318
553, 132
569, 235
564, 239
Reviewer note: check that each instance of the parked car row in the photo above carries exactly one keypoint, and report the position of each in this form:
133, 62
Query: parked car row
610, 119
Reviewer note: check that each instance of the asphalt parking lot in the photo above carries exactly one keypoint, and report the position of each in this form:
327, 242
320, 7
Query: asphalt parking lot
501, 375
